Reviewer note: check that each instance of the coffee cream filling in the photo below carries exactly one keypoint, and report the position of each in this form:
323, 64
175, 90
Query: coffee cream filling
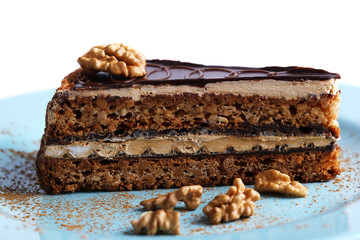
189, 144
268, 87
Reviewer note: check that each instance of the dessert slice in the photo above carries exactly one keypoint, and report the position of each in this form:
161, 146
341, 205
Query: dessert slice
184, 123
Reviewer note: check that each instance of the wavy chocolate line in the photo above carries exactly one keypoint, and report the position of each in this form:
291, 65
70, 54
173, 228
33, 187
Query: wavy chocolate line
183, 73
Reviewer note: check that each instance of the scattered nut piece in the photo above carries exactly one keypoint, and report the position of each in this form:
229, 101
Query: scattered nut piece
237, 202
117, 58
275, 181
159, 221
190, 195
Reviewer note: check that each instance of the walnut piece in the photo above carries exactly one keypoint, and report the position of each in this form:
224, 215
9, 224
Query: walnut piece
236, 203
275, 181
159, 221
117, 58
190, 195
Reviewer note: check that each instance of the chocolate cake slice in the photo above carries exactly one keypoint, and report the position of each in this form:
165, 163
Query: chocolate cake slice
185, 123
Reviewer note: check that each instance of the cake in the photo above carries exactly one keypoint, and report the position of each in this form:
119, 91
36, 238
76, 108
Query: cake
183, 123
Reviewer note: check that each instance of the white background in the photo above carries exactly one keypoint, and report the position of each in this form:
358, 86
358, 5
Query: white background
41, 40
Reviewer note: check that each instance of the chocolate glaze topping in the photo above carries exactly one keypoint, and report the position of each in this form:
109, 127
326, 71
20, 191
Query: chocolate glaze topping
184, 73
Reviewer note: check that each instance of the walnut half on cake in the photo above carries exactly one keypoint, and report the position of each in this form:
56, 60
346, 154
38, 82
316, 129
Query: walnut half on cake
185, 124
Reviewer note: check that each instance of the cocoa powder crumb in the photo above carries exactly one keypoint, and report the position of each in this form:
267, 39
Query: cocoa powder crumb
72, 227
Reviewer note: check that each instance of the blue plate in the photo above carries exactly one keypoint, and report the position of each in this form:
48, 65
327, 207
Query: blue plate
330, 211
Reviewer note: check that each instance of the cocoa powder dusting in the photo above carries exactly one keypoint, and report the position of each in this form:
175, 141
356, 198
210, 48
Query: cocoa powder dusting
23, 199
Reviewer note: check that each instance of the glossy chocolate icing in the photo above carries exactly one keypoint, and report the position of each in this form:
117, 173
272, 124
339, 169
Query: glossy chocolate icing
184, 73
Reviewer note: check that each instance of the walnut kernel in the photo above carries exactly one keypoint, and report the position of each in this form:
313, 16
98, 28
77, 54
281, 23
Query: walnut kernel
236, 203
275, 181
159, 221
190, 195
117, 58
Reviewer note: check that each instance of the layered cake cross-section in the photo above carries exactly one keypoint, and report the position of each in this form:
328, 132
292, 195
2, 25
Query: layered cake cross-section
183, 123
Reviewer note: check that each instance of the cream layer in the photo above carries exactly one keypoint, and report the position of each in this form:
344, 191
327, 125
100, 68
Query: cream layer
268, 87
189, 144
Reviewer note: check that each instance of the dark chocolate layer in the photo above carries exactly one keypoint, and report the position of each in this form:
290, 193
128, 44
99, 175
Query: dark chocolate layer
180, 73
248, 131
